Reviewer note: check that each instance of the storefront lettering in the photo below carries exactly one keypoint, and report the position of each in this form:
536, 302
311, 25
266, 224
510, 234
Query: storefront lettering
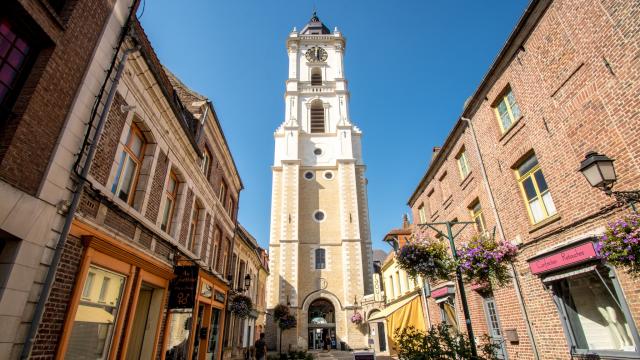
440, 292
182, 289
563, 258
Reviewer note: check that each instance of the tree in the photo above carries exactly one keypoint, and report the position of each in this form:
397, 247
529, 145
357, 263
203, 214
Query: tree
282, 315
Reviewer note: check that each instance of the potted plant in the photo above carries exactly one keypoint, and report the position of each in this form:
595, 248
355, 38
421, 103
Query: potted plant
241, 306
484, 260
282, 315
426, 257
356, 318
620, 244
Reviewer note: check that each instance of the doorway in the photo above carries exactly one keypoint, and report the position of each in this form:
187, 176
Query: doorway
493, 322
322, 325
145, 322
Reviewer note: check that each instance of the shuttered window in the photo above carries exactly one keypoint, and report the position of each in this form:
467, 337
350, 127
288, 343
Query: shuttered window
317, 117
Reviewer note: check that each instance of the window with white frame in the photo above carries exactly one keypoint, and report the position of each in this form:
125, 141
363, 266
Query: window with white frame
129, 165
422, 214
463, 164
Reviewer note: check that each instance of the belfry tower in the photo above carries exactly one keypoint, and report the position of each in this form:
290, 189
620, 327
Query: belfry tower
320, 242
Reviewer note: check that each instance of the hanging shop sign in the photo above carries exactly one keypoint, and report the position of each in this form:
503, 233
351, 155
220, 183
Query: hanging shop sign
219, 296
443, 291
182, 289
563, 258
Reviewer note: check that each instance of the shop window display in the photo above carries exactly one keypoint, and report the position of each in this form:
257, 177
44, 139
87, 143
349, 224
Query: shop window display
178, 336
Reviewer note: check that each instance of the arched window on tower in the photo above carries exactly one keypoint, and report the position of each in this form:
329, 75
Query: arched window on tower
317, 117
316, 77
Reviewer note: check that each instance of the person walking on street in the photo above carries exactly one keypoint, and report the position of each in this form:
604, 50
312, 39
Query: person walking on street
261, 348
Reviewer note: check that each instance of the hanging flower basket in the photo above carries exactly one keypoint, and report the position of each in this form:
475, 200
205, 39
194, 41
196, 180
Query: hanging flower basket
484, 259
426, 257
286, 322
620, 244
356, 318
241, 306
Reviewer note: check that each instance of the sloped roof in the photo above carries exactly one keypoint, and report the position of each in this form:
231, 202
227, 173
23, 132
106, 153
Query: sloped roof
315, 26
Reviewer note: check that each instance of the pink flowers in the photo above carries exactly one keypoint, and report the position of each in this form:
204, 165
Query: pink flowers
356, 318
620, 244
427, 258
484, 259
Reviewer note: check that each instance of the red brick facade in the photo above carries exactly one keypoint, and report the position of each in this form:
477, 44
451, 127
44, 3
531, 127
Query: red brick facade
62, 44
573, 67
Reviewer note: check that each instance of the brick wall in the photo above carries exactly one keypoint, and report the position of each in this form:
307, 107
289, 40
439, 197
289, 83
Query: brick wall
108, 144
186, 218
575, 79
30, 135
49, 332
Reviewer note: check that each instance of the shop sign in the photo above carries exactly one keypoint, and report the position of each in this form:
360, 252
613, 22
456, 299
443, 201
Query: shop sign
182, 289
219, 296
563, 258
443, 291
206, 290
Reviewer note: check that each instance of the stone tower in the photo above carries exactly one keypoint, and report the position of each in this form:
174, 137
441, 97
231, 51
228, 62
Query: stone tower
320, 242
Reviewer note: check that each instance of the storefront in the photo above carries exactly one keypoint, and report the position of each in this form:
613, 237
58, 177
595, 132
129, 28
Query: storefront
195, 318
117, 302
446, 301
592, 307
407, 312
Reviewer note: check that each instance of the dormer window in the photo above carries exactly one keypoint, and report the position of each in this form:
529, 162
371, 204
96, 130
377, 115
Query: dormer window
317, 117
316, 77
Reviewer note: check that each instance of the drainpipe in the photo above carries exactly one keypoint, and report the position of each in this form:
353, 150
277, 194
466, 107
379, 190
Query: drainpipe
512, 269
55, 262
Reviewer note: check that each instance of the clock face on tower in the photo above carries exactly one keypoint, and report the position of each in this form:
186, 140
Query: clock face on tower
316, 53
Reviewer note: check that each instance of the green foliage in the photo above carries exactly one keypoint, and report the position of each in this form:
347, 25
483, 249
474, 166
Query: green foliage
426, 257
287, 322
280, 311
439, 343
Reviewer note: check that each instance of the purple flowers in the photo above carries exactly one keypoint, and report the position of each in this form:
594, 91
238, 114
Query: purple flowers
427, 258
484, 259
241, 306
620, 244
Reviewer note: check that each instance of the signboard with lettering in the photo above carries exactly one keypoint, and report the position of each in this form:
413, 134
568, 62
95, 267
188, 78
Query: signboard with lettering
219, 296
443, 291
182, 289
563, 258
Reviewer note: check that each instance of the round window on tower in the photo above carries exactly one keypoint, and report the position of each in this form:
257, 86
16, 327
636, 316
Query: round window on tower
328, 175
317, 151
309, 175
318, 216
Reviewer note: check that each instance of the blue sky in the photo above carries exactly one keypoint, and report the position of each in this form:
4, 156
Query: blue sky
410, 66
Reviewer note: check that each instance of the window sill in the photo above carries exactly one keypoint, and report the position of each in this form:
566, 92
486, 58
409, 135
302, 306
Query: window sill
548, 221
467, 180
512, 130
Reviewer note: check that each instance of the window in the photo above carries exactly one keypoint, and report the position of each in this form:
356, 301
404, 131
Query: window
595, 313
319, 216
448, 312
230, 207
320, 259
398, 284
477, 216
432, 202
215, 249
129, 168
421, 214
507, 110
206, 163
444, 187
15, 52
317, 117
90, 336
535, 190
316, 77
170, 194
223, 192
390, 287
193, 226
463, 164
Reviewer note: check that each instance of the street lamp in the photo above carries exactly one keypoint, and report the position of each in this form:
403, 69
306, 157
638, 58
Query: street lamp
463, 295
247, 282
600, 172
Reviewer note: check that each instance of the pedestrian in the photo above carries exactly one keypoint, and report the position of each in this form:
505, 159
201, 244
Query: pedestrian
261, 348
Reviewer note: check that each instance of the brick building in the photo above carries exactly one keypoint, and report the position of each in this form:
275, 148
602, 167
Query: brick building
566, 82
49, 51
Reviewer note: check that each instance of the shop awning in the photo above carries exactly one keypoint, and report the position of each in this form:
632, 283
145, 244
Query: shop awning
392, 308
93, 314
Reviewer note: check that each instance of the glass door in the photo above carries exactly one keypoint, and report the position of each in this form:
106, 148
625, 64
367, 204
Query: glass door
212, 348
196, 333
494, 326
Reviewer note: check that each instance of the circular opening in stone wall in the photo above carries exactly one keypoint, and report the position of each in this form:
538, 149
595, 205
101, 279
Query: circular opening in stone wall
328, 175
317, 151
319, 216
308, 175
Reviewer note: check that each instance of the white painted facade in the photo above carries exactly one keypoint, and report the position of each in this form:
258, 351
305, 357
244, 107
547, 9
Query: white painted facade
312, 172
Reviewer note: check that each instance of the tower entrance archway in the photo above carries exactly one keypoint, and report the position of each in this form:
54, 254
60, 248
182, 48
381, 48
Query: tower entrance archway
321, 325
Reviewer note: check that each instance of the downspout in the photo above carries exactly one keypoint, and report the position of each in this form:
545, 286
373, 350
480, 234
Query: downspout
512, 269
82, 179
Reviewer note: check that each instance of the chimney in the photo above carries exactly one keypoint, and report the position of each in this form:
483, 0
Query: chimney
436, 150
